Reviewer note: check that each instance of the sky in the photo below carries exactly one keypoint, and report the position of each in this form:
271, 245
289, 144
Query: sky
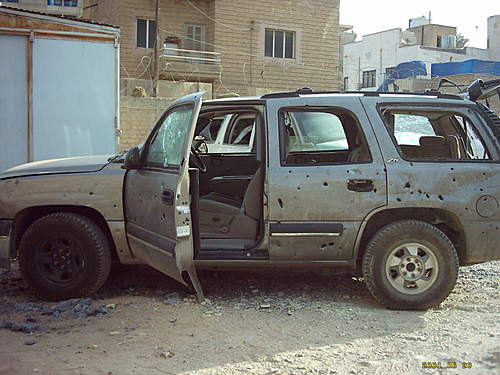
470, 17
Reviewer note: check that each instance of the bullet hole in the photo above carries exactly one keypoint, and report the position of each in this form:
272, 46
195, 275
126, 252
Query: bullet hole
440, 197
452, 169
374, 190
178, 196
411, 164
420, 192
155, 196
412, 192
114, 206
484, 173
398, 199
307, 176
348, 171
91, 193
331, 244
407, 185
163, 216
483, 233
466, 209
289, 171
280, 202
325, 184
481, 189
298, 187
485, 199
427, 195
178, 213
454, 180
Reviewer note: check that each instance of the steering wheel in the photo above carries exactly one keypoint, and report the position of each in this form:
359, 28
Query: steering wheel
197, 160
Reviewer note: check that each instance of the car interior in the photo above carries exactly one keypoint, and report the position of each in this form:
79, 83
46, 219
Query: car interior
231, 187
434, 135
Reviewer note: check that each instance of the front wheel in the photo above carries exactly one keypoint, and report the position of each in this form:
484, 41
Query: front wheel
64, 255
410, 265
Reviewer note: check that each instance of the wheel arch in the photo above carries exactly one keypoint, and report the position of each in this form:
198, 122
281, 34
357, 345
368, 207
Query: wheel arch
28, 216
444, 220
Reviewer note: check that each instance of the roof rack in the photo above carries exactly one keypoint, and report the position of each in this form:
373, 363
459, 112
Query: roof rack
309, 91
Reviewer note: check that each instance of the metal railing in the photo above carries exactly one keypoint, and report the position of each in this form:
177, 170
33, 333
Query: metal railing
192, 56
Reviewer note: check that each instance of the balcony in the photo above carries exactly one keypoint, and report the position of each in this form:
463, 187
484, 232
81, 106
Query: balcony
186, 64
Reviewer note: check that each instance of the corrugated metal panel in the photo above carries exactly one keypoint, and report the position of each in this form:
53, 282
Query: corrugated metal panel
13, 101
74, 98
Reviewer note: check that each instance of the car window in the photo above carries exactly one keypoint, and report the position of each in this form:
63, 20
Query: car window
473, 145
211, 130
436, 134
240, 131
167, 147
409, 128
315, 137
318, 131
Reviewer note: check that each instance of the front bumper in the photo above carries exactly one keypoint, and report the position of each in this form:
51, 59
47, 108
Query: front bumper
5, 234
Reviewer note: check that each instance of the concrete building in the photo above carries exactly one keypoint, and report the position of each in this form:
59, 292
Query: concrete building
368, 62
68, 8
248, 47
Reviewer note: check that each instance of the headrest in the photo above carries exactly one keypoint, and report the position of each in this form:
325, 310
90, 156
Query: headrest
435, 140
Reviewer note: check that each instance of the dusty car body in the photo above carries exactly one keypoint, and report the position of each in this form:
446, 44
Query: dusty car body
357, 197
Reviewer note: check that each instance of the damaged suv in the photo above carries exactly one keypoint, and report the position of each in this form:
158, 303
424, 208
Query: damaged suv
401, 189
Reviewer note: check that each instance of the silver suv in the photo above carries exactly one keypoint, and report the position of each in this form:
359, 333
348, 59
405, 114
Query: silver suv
402, 189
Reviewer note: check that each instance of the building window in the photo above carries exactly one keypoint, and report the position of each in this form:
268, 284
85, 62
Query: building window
279, 44
66, 3
369, 78
346, 83
439, 41
389, 71
195, 37
146, 33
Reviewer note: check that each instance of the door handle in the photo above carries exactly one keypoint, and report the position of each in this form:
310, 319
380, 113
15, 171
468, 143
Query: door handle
360, 185
168, 197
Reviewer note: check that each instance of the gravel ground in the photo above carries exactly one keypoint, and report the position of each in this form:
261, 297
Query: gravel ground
283, 323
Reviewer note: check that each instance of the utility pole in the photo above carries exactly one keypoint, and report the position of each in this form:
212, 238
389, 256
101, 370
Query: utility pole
156, 55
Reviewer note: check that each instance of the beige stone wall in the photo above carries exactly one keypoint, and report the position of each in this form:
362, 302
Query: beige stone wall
104, 11
174, 16
238, 35
166, 89
427, 34
240, 39
137, 118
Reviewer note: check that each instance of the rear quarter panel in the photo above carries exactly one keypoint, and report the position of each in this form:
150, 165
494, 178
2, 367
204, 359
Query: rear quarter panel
468, 189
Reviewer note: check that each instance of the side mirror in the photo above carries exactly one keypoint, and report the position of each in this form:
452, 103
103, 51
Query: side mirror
133, 158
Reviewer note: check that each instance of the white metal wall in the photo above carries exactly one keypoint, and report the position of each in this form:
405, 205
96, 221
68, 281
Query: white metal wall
13, 101
74, 98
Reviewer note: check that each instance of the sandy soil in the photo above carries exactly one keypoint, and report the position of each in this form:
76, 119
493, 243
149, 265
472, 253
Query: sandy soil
252, 323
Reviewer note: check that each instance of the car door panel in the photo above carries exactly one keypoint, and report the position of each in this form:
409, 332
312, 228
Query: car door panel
336, 194
156, 196
226, 165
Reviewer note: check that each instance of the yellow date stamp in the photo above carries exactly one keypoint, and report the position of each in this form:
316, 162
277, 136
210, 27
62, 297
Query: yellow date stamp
445, 365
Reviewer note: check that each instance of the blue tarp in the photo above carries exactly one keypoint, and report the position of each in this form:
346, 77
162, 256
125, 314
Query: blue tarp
404, 70
464, 67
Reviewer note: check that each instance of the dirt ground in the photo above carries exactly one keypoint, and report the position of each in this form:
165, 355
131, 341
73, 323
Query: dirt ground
142, 322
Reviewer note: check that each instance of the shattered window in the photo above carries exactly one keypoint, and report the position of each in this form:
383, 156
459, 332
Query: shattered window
168, 146
435, 134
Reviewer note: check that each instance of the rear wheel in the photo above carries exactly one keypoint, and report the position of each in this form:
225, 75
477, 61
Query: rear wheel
64, 255
410, 265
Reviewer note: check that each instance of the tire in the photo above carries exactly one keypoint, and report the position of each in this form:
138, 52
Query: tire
410, 265
64, 255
